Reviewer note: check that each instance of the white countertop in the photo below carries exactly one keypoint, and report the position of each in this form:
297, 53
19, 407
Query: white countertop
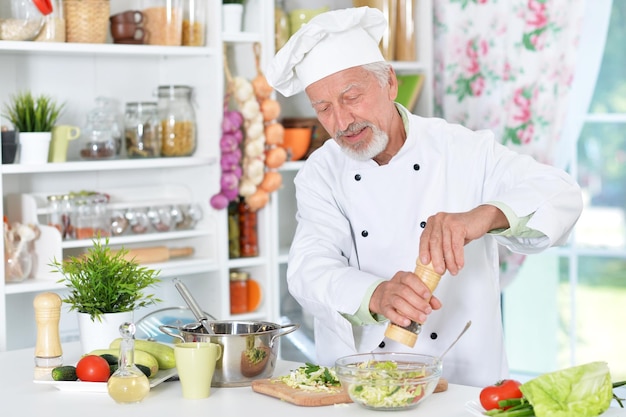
22, 397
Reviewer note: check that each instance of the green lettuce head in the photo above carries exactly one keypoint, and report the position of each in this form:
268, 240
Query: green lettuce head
581, 391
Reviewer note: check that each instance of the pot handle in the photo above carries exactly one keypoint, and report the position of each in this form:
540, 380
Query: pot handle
165, 329
290, 328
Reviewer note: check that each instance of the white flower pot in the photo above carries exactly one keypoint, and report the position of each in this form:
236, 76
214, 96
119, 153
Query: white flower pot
34, 147
232, 18
99, 334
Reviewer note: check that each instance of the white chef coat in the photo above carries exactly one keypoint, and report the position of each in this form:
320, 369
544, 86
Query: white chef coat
359, 222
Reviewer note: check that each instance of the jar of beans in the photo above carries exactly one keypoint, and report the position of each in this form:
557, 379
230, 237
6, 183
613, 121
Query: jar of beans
178, 120
142, 130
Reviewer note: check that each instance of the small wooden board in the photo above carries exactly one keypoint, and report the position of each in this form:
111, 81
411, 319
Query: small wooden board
275, 388
280, 390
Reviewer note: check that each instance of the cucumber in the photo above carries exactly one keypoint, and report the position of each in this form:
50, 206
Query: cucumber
164, 354
111, 359
64, 373
146, 371
141, 358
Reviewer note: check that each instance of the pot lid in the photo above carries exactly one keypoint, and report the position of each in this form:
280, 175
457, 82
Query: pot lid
44, 6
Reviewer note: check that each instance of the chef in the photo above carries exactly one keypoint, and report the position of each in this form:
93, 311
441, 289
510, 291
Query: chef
393, 186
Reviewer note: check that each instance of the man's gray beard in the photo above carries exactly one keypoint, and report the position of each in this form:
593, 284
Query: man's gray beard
379, 142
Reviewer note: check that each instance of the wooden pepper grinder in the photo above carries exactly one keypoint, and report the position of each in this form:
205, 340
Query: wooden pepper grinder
408, 335
48, 351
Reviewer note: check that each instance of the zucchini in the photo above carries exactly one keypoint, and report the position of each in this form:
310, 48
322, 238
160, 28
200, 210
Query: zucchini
64, 373
163, 353
141, 358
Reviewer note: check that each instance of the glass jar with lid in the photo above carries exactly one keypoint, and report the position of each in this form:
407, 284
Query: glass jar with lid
142, 130
178, 120
22, 20
101, 136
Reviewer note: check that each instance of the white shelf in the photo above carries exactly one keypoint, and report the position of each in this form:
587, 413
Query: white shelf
110, 165
89, 49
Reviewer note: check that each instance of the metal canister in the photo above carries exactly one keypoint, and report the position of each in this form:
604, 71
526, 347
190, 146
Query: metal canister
178, 120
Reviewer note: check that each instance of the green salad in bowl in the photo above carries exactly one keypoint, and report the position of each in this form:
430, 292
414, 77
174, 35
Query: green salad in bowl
388, 381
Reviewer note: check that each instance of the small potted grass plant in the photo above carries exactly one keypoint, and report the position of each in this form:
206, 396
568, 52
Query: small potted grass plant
105, 289
33, 117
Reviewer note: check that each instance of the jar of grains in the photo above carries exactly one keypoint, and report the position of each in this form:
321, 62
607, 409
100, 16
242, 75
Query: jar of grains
178, 120
54, 25
194, 22
22, 20
142, 130
163, 22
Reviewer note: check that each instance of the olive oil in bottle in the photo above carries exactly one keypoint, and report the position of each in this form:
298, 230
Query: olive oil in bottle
128, 384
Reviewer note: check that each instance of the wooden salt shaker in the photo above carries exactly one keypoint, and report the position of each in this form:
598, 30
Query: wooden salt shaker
48, 351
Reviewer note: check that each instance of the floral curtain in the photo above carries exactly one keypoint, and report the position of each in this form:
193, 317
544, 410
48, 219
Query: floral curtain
507, 66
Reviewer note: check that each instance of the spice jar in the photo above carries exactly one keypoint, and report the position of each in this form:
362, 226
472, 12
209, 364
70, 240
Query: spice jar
194, 22
53, 29
22, 20
142, 130
59, 209
248, 240
163, 21
238, 292
178, 120
90, 216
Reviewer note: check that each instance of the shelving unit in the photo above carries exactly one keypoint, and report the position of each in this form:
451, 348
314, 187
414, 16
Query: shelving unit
78, 73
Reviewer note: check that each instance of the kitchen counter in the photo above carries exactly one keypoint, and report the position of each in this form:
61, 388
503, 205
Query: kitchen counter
22, 397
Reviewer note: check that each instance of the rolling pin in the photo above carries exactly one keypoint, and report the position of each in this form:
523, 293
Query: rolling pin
156, 254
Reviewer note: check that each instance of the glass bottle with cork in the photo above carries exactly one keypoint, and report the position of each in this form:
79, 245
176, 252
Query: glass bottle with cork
408, 335
128, 384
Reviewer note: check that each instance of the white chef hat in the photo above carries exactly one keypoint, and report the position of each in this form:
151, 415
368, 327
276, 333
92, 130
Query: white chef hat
328, 43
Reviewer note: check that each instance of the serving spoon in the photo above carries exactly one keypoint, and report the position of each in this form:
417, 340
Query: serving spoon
467, 326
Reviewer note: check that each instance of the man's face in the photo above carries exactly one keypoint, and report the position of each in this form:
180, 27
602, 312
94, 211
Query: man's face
355, 109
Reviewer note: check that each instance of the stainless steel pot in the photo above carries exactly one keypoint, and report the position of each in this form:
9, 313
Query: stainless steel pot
249, 348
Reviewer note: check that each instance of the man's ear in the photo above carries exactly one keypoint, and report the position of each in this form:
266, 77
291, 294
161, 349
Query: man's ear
393, 84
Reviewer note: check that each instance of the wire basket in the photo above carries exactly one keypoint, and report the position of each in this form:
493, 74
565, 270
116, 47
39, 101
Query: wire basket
86, 20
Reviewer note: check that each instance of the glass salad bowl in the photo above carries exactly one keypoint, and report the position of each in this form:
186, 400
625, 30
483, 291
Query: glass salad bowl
388, 381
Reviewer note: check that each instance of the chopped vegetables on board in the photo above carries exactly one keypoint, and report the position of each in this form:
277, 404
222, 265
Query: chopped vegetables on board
312, 377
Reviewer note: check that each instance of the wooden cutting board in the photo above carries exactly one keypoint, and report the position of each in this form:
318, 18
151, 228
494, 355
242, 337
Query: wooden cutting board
277, 389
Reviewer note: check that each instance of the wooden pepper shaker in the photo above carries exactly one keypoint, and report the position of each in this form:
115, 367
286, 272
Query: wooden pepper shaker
48, 351
408, 335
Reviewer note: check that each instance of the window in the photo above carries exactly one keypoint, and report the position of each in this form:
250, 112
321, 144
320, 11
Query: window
567, 306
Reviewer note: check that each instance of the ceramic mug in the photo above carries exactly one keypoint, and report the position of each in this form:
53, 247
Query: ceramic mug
61, 136
129, 16
130, 31
195, 364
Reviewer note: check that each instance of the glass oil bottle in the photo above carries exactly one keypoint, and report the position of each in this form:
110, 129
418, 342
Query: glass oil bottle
128, 384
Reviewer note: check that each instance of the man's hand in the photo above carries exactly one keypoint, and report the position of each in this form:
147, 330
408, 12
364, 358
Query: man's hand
446, 234
403, 298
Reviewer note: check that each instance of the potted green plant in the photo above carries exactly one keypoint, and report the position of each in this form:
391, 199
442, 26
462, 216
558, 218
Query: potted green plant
33, 117
105, 288
232, 15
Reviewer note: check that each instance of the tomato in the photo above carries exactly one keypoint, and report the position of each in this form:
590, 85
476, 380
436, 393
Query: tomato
501, 390
93, 368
